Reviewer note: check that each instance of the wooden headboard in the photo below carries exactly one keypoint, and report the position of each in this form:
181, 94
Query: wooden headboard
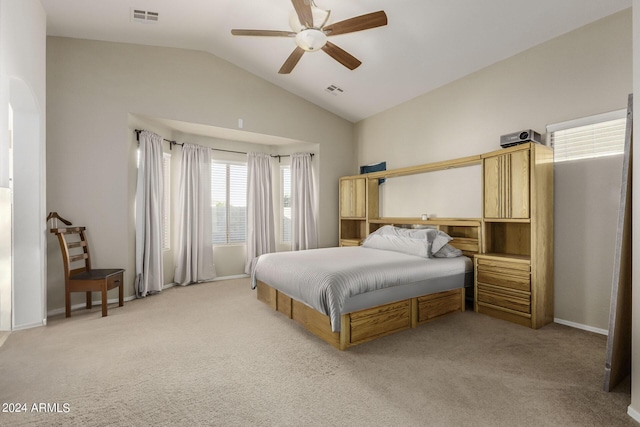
466, 232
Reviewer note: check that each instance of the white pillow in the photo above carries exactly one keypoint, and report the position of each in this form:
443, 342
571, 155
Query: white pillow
406, 245
435, 238
413, 233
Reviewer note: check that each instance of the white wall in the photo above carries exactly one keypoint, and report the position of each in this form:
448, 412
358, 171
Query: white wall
430, 194
634, 407
584, 72
92, 88
22, 84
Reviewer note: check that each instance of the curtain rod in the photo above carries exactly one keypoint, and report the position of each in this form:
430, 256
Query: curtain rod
172, 143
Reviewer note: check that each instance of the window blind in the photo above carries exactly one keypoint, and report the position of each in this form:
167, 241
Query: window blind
237, 204
589, 137
229, 202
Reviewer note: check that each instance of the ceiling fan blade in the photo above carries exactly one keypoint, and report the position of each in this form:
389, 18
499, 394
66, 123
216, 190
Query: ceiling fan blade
268, 33
303, 9
359, 23
291, 61
341, 56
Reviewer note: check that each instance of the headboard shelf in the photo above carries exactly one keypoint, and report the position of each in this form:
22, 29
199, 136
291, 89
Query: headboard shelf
509, 257
471, 222
429, 167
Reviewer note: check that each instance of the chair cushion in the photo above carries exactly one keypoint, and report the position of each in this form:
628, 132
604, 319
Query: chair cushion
97, 274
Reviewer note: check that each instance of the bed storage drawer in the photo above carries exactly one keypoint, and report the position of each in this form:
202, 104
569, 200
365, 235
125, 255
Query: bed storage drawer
366, 324
435, 305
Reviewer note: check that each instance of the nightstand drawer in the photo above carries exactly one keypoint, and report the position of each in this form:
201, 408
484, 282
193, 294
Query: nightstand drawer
518, 282
504, 273
504, 298
517, 268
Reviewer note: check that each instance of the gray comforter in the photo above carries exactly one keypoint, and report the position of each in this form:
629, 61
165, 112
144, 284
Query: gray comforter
324, 278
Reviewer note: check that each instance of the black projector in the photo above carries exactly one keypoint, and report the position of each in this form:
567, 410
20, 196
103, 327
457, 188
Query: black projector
521, 137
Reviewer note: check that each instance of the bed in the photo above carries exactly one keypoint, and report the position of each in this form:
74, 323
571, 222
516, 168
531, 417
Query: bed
399, 278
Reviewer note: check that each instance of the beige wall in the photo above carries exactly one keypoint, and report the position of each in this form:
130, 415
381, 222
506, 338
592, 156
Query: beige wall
587, 197
92, 87
585, 72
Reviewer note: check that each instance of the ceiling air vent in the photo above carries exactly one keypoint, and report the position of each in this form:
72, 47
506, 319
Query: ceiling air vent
144, 16
334, 90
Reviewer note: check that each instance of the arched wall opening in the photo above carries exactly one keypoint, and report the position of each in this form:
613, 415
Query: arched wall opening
26, 288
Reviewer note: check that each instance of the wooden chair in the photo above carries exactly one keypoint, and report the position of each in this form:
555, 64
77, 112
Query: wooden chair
78, 274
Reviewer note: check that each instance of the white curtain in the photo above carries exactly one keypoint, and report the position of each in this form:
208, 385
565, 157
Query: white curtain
149, 215
304, 232
261, 235
194, 252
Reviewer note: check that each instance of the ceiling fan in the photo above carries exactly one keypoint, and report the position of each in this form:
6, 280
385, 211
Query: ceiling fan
310, 28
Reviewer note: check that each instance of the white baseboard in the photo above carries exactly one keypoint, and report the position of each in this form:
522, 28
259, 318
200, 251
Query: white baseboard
217, 279
581, 326
57, 311
30, 325
633, 413
237, 276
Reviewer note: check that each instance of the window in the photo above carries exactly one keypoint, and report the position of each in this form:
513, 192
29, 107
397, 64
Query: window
589, 137
166, 219
285, 204
229, 202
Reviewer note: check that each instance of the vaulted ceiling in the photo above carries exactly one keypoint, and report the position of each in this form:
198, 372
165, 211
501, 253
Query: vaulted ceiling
426, 44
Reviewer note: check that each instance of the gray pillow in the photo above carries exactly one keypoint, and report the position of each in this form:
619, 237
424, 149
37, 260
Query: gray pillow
448, 251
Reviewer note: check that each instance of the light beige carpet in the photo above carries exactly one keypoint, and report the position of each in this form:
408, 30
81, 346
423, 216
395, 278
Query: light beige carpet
211, 354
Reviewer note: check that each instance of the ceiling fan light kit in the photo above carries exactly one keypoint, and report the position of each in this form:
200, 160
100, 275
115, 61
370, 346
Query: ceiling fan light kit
311, 28
311, 39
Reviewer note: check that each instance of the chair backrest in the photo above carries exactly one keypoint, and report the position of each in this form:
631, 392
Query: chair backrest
75, 250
